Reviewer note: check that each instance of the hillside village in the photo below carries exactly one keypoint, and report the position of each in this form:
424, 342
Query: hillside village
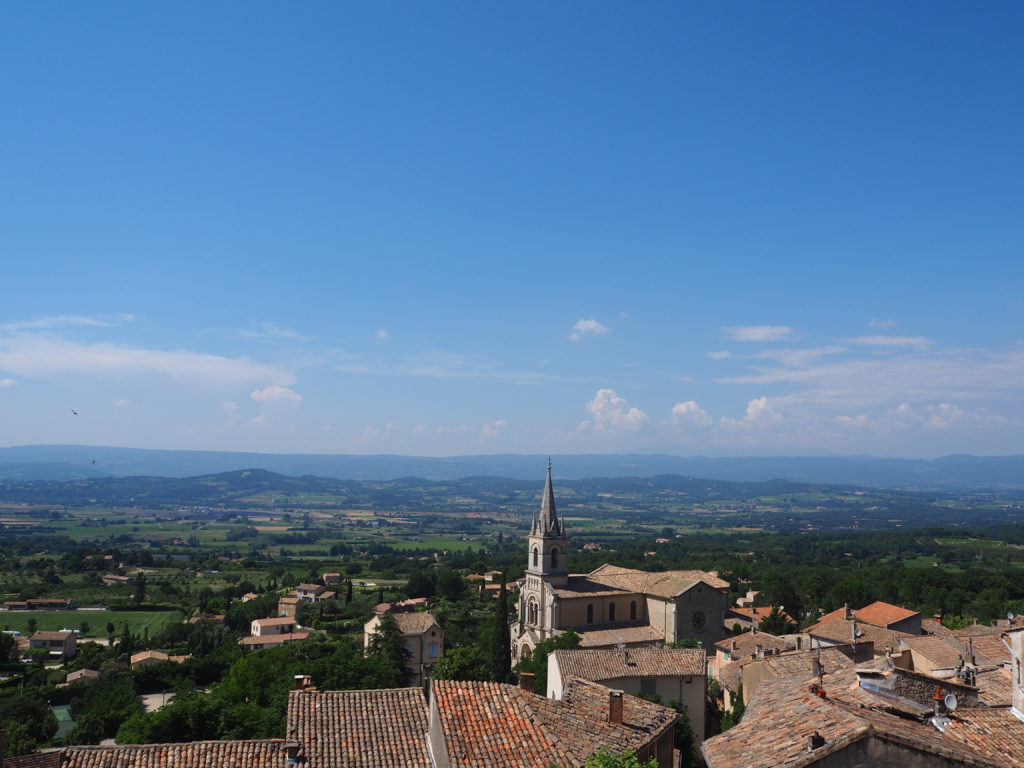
617, 659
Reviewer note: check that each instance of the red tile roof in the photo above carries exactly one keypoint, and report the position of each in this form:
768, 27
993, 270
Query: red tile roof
268, 753
361, 729
758, 614
883, 614
502, 726
598, 665
994, 731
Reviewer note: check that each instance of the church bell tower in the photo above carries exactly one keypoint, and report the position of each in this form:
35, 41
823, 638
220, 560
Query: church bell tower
548, 544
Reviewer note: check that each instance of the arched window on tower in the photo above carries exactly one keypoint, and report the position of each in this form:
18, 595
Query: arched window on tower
590, 613
536, 556
632, 610
531, 611
611, 611
554, 557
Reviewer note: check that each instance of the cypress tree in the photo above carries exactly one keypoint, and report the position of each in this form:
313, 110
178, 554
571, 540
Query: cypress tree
501, 647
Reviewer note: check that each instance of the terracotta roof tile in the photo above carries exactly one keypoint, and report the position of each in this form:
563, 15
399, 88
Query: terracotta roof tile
746, 644
939, 651
975, 630
995, 732
883, 614
196, 754
501, 726
360, 729
841, 631
612, 635
783, 714
597, 665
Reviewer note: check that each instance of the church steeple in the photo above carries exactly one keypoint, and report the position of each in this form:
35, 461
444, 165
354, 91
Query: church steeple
547, 522
548, 543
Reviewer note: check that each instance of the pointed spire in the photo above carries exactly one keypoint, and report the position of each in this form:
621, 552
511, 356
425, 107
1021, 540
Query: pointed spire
549, 522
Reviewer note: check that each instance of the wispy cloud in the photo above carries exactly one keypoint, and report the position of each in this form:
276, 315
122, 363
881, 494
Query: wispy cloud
720, 355
799, 357
55, 322
757, 332
382, 333
269, 332
8, 383
881, 324
588, 328
272, 399
122, 403
36, 355
493, 428
913, 342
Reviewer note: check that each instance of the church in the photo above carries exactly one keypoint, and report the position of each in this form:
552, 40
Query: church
610, 607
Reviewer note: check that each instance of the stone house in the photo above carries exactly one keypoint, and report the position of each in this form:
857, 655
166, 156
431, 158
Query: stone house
672, 673
422, 637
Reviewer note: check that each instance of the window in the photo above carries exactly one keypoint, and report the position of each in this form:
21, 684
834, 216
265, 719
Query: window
554, 557
524, 652
532, 611
433, 650
611, 612
648, 686
590, 613
632, 610
535, 556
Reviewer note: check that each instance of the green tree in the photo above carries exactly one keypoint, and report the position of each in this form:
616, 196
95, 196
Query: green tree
501, 641
28, 722
106, 704
735, 713
465, 663
348, 592
537, 664
776, 623
140, 587
605, 758
8, 647
32, 625
388, 645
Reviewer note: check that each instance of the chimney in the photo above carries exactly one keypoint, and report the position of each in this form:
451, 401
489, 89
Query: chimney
302, 682
853, 631
937, 701
526, 681
291, 751
615, 707
734, 645
815, 741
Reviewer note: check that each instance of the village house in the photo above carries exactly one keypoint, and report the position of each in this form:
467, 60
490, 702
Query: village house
270, 633
61, 645
152, 658
672, 673
422, 637
288, 607
332, 578
81, 676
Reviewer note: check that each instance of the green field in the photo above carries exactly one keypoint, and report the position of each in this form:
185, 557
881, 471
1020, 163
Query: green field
49, 621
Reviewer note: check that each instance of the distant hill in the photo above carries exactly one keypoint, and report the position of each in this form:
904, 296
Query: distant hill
957, 473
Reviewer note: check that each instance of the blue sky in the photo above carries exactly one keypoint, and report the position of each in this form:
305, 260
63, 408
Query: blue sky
443, 228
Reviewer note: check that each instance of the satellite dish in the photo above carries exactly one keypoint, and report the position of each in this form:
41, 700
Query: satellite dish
1009, 616
950, 702
859, 632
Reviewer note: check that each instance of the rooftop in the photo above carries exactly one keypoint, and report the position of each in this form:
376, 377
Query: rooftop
361, 729
267, 753
502, 726
883, 614
597, 665
613, 635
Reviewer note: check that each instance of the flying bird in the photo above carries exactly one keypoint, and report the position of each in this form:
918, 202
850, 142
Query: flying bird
74, 411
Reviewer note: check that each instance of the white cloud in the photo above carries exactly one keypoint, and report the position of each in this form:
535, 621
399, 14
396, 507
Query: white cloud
881, 324
452, 429
122, 403
8, 383
419, 429
759, 414
493, 428
757, 332
609, 412
914, 342
943, 416
721, 355
276, 395
382, 333
588, 328
690, 413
